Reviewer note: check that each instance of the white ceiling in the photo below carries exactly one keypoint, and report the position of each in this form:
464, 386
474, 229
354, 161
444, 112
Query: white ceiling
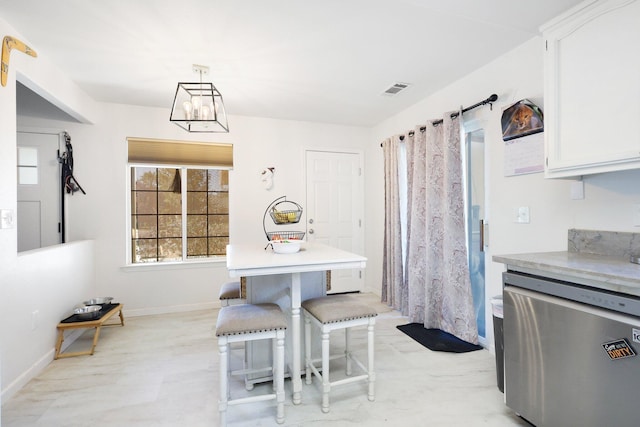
327, 61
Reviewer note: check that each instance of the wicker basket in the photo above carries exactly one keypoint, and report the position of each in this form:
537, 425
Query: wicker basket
283, 212
285, 217
285, 235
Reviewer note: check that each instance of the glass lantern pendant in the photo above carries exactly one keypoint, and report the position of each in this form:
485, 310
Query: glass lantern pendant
198, 107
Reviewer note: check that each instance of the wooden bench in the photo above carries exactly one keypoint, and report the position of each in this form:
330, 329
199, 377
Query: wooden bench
71, 323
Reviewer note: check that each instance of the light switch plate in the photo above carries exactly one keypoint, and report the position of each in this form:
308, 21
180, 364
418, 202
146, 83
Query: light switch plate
6, 218
522, 215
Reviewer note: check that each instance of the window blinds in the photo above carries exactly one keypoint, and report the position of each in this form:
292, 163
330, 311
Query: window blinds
180, 153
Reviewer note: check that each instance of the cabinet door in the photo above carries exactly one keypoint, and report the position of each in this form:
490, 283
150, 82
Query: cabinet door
592, 89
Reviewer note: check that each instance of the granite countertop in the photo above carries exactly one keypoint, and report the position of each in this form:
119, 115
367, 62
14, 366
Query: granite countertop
599, 271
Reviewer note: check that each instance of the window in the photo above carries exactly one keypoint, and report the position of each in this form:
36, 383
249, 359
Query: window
177, 213
27, 166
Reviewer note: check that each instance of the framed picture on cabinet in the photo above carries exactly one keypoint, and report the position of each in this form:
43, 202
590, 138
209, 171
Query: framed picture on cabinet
521, 119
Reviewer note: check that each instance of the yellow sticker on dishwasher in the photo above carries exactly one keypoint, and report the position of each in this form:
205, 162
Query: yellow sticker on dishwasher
618, 349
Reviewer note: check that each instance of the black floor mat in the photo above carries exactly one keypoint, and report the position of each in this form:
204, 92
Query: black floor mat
436, 339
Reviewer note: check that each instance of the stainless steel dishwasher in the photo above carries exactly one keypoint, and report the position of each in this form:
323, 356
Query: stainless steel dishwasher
570, 353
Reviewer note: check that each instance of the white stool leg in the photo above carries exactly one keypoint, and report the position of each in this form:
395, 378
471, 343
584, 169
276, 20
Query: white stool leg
347, 350
224, 380
307, 348
274, 361
278, 375
326, 384
370, 361
248, 385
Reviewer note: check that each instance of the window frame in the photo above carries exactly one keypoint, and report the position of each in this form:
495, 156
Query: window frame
128, 235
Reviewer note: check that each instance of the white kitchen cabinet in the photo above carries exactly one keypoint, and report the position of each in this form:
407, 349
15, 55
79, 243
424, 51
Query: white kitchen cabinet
592, 89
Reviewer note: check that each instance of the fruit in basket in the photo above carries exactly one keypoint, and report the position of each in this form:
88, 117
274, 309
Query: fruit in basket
279, 217
291, 217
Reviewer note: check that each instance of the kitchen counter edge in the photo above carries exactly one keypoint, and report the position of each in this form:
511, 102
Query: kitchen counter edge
599, 271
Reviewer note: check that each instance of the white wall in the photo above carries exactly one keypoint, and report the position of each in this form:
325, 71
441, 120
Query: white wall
48, 281
514, 76
41, 289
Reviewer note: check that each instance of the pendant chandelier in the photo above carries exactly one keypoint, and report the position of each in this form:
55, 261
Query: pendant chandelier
198, 107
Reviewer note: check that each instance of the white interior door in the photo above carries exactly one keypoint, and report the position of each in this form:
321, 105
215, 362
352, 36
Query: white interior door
335, 209
38, 211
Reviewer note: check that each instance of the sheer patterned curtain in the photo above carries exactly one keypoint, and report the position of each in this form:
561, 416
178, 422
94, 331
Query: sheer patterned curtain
448, 297
437, 288
415, 272
393, 287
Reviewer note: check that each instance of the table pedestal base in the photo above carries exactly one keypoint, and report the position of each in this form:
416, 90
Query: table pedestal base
288, 291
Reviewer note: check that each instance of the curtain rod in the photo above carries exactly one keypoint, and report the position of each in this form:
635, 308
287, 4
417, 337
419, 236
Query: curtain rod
490, 100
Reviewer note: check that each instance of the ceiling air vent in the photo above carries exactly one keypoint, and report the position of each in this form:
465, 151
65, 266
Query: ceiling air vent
395, 88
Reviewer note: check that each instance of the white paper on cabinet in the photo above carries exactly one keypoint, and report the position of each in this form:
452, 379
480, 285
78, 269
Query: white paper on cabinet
524, 155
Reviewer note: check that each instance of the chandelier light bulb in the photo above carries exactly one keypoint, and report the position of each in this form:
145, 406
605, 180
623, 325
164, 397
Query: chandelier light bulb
196, 101
205, 112
188, 109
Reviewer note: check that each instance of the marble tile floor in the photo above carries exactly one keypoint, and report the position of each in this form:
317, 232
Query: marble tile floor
162, 370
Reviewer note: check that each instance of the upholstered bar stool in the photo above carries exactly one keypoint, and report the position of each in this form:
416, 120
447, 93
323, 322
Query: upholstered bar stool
251, 322
330, 313
230, 294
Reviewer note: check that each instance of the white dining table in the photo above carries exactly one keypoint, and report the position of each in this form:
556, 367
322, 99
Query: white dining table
248, 260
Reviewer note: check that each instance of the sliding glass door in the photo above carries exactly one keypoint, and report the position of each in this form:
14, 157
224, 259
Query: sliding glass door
475, 190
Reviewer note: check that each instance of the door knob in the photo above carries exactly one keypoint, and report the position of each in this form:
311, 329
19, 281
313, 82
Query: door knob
310, 220
311, 231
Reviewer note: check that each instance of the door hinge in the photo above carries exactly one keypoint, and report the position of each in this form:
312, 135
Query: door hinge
546, 45
360, 274
359, 171
360, 223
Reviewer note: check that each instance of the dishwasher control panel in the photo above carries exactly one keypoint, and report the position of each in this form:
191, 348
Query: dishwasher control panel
627, 304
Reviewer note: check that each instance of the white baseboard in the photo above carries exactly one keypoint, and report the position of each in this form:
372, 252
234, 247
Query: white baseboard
171, 309
38, 367
27, 376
